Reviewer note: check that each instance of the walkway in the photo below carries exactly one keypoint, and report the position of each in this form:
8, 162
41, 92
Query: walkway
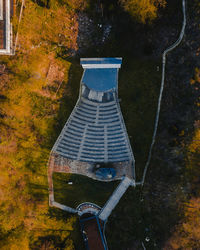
170, 48
52, 201
63, 207
114, 199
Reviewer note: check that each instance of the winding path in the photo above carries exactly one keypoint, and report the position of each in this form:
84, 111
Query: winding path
170, 48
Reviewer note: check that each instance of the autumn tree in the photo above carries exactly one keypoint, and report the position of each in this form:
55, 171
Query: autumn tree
187, 233
143, 10
77, 4
29, 102
54, 29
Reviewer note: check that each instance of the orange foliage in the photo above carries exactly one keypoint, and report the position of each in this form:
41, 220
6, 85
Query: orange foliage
50, 28
187, 233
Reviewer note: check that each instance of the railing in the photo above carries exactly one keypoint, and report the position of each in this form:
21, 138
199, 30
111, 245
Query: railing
93, 208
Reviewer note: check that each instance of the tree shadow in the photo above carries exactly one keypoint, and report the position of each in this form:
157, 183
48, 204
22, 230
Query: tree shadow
68, 99
43, 3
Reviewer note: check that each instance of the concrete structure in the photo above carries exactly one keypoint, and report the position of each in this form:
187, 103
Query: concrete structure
114, 199
94, 141
88, 208
6, 9
95, 132
95, 138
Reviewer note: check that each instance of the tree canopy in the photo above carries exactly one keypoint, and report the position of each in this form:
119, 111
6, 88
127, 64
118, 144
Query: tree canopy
28, 113
143, 10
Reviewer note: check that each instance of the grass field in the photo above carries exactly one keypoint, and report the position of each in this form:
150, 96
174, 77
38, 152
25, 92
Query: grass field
83, 189
139, 85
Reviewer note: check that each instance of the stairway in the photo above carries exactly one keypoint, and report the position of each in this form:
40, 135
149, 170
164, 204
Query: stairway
115, 198
94, 133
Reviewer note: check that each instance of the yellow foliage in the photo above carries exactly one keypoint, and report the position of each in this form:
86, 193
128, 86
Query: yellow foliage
42, 27
197, 75
21, 151
17, 244
30, 107
77, 4
187, 233
143, 10
196, 78
182, 133
195, 143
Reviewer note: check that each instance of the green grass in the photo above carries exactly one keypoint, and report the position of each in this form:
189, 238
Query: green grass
139, 86
83, 189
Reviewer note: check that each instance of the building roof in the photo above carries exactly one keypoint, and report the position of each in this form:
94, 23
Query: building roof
100, 74
100, 80
107, 62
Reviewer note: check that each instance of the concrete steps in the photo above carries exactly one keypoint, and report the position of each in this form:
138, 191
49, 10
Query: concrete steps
96, 126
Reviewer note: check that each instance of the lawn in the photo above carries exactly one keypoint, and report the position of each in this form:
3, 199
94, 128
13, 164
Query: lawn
83, 189
139, 86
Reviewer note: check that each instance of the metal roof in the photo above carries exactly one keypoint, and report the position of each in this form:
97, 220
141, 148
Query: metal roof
107, 62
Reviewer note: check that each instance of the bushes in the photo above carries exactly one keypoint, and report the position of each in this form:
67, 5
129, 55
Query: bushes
76, 4
50, 29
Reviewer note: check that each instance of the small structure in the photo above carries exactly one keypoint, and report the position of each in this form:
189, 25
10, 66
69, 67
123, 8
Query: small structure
6, 12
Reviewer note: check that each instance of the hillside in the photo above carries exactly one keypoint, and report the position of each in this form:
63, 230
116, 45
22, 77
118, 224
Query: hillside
39, 87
